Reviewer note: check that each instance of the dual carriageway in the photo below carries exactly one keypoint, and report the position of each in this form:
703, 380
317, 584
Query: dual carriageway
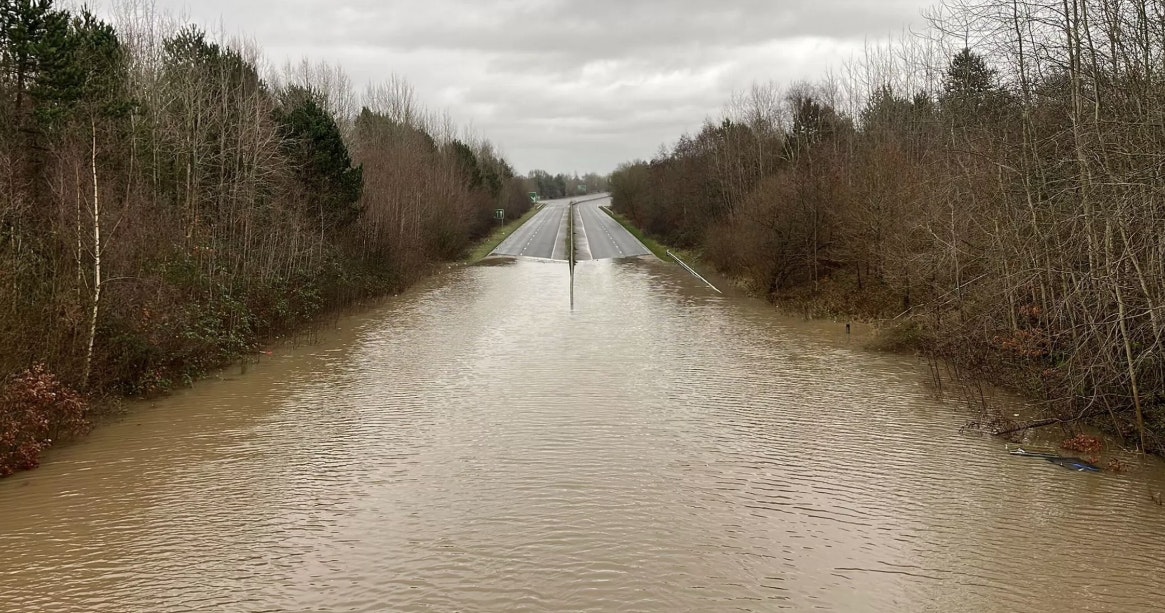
597, 235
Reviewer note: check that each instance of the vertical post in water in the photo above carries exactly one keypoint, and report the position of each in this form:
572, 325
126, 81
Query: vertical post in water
570, 249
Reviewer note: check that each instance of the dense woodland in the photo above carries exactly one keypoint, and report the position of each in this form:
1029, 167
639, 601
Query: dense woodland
167, 204
994, 187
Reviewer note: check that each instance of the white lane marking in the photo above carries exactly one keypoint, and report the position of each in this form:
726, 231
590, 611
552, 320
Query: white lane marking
609, 221
583, 224
531, 230
557, 237
516, 235
608, 233
534, 235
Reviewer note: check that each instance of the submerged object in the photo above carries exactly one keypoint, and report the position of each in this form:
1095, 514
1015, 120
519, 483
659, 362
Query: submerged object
1075, 464
1031, 454
1070, 463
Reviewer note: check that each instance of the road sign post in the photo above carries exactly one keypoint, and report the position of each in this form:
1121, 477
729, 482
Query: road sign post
500, 215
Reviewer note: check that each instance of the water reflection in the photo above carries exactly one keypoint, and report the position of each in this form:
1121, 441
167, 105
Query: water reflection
477, 445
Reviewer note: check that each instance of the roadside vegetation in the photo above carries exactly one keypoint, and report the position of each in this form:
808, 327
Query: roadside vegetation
166, 206
991, 189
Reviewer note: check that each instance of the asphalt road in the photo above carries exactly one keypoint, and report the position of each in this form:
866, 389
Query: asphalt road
602, 237
597, 236
543, 236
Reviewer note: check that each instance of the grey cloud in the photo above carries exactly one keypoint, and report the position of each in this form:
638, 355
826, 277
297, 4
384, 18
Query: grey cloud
567, 85
603, 28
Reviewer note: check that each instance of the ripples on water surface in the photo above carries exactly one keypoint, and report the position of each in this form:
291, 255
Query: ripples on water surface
476, 446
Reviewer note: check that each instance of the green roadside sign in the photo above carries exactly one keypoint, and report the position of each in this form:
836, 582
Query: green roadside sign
500, 214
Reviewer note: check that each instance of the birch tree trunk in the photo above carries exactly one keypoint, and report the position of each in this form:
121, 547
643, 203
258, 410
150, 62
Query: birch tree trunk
96, 261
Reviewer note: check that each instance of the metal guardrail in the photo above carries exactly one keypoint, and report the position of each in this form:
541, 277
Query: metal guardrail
691, 270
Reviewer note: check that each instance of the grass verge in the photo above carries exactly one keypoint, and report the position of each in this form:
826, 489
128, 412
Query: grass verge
486, 246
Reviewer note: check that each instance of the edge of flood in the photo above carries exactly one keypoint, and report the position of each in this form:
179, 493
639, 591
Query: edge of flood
872, 333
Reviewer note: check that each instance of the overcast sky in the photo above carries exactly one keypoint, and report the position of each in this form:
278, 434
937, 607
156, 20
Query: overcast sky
566, 85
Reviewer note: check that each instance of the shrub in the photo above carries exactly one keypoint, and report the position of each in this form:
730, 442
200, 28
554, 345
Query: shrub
1082, 443
36, 409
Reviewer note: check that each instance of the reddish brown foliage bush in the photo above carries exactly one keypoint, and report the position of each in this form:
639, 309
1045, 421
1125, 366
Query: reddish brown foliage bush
1082, 443
36, 409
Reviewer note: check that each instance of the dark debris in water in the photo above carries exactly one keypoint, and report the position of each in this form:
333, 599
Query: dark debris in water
1076, 464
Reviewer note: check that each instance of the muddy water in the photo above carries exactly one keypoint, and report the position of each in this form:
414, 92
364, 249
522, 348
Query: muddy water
476, 446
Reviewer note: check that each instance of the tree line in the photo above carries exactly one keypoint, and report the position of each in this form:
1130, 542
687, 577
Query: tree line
166, 205
551, 187
992, 186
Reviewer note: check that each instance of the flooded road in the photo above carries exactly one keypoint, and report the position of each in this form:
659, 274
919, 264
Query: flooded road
475, 445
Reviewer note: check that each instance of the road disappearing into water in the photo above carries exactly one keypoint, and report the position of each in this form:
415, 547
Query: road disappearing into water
597, 235
601, 237
543, 236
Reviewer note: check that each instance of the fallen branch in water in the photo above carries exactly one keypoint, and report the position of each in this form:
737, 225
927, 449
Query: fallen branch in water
1030, 425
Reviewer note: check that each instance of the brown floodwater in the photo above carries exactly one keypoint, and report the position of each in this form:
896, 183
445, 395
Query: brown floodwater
476, 445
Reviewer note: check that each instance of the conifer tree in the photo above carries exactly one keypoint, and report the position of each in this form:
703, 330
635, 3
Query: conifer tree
312, 139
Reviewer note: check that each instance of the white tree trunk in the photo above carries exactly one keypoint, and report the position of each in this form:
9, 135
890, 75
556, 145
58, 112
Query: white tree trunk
96, 262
